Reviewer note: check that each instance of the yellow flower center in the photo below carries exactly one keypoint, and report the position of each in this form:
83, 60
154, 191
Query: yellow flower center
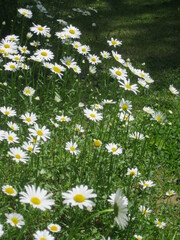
10, 138
18, 156
97, 143
17, 58
40, 29
68, 63
118, 72
132, 173
142, 75
72, 148
28, 91
15, 220
63, 119
83, 49
159, 119
72, 31
7, 113
75, 69
76, 45
159, 223
12, 66
24, 13
28, 119
34, 140
92, 115
113, 42
170, 192
2, 50
36, 200
39, 132
12, 127
79, 198
113, 149
9, 190
124, 107
116, 57
30, 149
43, 238
93, 59
6, 45
54, 228
44, 54
12, 38
146, 184
144, 212
56, 69
23, 49
128, 86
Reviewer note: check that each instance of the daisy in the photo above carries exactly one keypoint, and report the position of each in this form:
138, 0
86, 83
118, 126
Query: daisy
93, 115
11, 66
60, 21
2, 135
29, 118
24, 66
114, 42
114, 149
158, 116
68, 61
148, 79
173, 90
61, 35
125, 105
54, 227
145, 211
92, 69
79, 196
170, 193
24, 50
25, 12
133, 172
108, 101
35, 43
15, 220
8, 46
38, 198
58, 69
97, 143
138, 237
9, 190
28, 91
40, 133
44, 54
43, 235
148, 110
62, 118
160, 224
118, 57
1, 230
93, 59
118, 73
42, 30
13, 126
84, 49
76, 68
79, 128
76, 44
12, 37
30, 147
97, 106
143, 83
8, 111
146, 184
137, 136
17, 58
127, 86
18, 155
72, 148
11, 137
120, 203
125, 117
105, 54
72, 32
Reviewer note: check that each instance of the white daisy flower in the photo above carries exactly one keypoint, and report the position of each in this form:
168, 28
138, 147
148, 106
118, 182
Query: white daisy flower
118, 57
2, 135
18, 155
118, 73
17, 58
11, 137
25, 12
72, 32
29, 118
143, 83
38, 198
170, 193
92, 69
105, 54
137, 136
114, 42
24, 50
40, 133
9, 190
127, 86
28, 91
148, 110
58, 69
79, 196
15, 220
12, 37
84, 49
125, 117
146, 184
114, 149
125, 105
43, 235
79, 128
97, 106
35, 43
62, 118
1, 230
97, 143
8, 46
133, 172
76, 68
30, 147
11, 66
160, 224
108, 101
40, 30
76, 44
68, 62
72, 148
44, 54
93, 115
54, 227
145, 211
138, 237
93, 59
173, 90
158, 116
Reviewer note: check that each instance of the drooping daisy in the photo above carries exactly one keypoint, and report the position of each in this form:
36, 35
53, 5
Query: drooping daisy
127, 86
170, 193
125, 117
79, 196
58, 69
145, 211
79, 128
114, 149
72, 32
40, 30
120, 203
63, 118
9, 190
93, 59
118, 57
143, 83
84, 49
133, 172
1, 230
97, 143
173, 90
18, 155
40, 133
160, 224
11, 66
118, 73
28, 91
76, 68
146, 184
93, 115
148, 110
25, 12
29, 118
137, 136
38, 198
114, 42
54, 227
92, 69
11, 137
138, 237
72, 148
68, 61
43, 235
44, 54
13, 126
15, 220
105, 54
158, 116
125, 105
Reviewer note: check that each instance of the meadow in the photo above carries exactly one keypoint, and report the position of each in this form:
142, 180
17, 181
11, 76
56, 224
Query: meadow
89, 120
